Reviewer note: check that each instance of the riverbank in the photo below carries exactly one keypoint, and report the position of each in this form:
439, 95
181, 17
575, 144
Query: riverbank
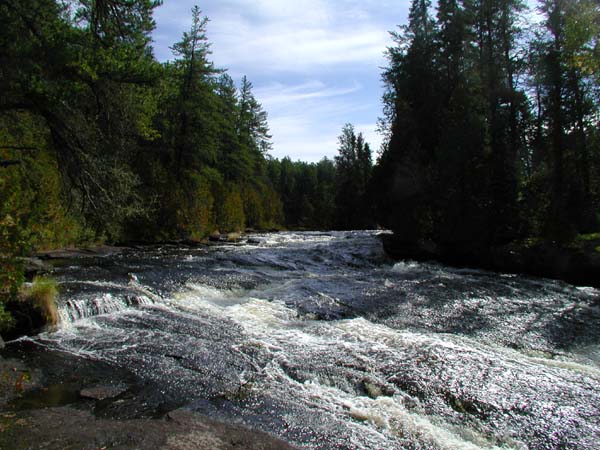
577, 264
54, 400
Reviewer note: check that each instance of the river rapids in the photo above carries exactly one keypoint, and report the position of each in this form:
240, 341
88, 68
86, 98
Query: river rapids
324, 342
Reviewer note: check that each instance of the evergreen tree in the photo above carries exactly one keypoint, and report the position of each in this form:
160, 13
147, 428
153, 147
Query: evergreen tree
194, 108
353, 171
472, 160
252, 122
566, 118
411, 110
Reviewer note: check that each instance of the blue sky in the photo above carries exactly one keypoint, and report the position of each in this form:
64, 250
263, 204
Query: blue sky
315, 64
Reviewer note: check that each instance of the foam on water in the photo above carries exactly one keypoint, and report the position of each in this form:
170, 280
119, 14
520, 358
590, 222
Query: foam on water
274, 327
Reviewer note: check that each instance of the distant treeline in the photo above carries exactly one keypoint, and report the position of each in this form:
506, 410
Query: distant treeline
328, 194
492, 125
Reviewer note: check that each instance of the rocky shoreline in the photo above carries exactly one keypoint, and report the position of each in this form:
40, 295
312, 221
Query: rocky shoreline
578, 264
54, 400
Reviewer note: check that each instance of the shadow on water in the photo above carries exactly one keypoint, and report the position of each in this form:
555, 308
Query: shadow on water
576, 326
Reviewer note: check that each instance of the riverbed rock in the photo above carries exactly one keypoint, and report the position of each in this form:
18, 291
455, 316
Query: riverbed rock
233, 237
67, 427
69, 253
16, 379
29, 319
33, 266
102, 392
215, 236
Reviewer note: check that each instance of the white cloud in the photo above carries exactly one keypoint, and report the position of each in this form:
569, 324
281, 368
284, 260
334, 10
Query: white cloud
306, 118
278, 48
278, 94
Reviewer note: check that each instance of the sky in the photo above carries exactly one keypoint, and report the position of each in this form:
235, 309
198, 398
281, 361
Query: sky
315, 64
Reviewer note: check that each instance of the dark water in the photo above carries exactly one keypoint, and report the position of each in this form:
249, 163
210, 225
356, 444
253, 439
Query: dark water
321, 340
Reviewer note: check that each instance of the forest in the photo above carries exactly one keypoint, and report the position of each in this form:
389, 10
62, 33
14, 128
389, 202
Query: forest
490, 122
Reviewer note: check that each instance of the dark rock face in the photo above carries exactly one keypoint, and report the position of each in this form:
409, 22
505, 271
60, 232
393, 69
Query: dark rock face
34, 266
29, 320
574, 265
67, 427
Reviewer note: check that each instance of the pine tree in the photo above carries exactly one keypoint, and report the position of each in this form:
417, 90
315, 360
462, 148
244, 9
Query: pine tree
252, 122
411, 117
195, 106
353, 171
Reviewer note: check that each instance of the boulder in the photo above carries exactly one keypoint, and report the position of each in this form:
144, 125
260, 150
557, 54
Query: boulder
33, 266
215, 236
102, 392
233, 237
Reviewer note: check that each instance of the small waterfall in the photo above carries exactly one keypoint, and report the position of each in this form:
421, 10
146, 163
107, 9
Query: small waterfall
104, 298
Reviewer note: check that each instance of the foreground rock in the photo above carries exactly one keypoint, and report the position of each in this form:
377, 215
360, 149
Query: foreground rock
16, 379
68, 427
55, 400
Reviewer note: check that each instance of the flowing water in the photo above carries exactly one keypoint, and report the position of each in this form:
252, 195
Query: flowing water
321, 340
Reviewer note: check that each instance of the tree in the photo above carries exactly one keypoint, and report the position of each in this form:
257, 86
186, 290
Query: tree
193, 108
566, 118
353, 172
252, 122
67, 73
411, 117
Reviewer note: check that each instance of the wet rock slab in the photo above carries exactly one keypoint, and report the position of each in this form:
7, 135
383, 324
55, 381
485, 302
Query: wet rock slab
68, 427
71, 253
53, 400
103, 392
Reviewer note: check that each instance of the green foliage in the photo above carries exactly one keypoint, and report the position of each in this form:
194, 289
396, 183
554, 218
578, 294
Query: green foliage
230, 216
353, 173
588, 237
109, 144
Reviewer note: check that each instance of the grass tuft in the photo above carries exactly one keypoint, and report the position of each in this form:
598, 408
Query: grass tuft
42, 294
